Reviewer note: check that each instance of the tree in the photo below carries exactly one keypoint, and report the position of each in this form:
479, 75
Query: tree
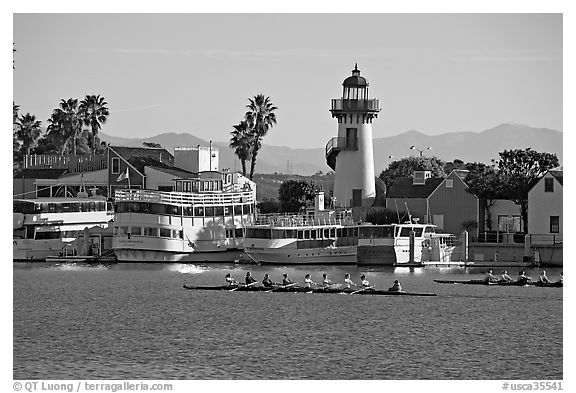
268, 206
151, 144
241, 143
66, 121
456, 164
485, 182
406, 166
93, 113
295, 194
260, 118
28, 131
519, 169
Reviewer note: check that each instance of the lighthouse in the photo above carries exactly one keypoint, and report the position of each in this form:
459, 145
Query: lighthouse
351, 153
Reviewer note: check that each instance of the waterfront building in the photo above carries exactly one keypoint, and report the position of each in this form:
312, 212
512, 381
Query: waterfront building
545, 214
350, 155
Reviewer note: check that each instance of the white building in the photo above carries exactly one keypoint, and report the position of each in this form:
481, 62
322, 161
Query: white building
545, 204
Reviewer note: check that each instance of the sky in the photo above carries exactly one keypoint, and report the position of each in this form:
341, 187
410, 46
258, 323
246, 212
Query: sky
194, 73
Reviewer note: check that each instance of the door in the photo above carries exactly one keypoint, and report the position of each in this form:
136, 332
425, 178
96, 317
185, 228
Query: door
356, 197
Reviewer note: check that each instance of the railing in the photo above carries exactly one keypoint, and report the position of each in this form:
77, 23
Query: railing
339, 104
338, 143
499, 237
298, 220
183, 198
82, 163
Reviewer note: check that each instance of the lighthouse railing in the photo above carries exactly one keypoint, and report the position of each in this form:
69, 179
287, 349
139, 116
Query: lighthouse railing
340, 104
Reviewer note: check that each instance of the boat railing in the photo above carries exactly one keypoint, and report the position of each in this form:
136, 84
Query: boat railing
296, 220
183, 198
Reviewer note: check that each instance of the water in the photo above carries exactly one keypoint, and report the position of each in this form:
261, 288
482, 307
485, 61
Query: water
135, 321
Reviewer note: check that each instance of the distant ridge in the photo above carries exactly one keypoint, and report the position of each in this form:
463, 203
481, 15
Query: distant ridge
467, 146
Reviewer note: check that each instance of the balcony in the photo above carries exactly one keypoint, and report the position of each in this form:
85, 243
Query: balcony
334, 146
74, 164
339, 104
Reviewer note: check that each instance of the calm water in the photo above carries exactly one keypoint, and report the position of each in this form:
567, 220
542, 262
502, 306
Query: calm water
135, 321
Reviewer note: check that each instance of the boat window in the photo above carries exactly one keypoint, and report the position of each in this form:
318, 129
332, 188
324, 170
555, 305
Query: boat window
307, 234
151, 232
338, 232
219, 211
238, 210
405, 231
326, 233
177, 234
136, 230
227, 210
198, 211
418, 231
300, 234
290, 233
187, 211
209, 211
238, 233
70, 234
48, 235
313, 234
429, 230
165, 232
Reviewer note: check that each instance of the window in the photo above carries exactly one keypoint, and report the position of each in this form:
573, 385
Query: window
548, 184
449, 183
554, 224
165, 188
115, 165
509, 224
165, 232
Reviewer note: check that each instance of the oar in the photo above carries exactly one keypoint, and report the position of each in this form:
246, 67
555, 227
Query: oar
283, 286
363, 289
245, 286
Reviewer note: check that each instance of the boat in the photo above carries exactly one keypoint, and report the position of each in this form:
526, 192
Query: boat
49, 227
390, 245
503, 283
201, 221
557, 284
292, 289
316, 237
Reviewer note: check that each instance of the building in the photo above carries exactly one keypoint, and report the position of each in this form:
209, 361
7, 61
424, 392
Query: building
350, 155
545, 200
444, 202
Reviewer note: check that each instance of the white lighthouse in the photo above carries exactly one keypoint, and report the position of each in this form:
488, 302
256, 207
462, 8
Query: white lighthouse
351, 153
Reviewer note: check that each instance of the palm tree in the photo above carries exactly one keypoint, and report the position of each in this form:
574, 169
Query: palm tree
240, 142
94, 113
260, 118
66, 122
29, 130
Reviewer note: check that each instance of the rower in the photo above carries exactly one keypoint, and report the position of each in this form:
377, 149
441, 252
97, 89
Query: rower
286, 280
543, 277
523, 278
230, 280
267, 282
327, 283
365, 283
490, 277
308, 281
249, 279
348, 281
505, 276
396, 287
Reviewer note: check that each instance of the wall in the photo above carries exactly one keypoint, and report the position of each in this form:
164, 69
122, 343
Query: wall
155, 178
502, 207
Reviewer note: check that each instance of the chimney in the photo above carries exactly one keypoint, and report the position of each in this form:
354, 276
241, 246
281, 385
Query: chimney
420, 177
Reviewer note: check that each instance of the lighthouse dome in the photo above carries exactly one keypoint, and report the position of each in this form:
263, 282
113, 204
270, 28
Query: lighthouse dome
355, 80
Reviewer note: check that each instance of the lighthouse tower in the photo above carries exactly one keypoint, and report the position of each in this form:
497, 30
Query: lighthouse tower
351, 154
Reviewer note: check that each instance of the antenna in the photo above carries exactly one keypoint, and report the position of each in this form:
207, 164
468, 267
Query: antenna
408, 210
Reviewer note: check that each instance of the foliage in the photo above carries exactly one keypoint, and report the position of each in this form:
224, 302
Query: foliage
406, 166
269, 206
295, 194
93, 113
456, 164
469, 225
151, 144
247, 136
519, 169
484, 181
28, 131
241, 143
381, 216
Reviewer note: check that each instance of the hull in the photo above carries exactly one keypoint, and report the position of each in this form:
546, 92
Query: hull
160, 256
501, 283
311, 256
383, 255
31, 250
306, 290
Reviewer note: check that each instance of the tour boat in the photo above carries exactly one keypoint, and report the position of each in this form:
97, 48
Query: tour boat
390, 245
49, 227
317, 237
201, 221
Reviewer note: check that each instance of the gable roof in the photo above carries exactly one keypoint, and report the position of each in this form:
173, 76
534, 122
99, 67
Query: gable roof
140, 162
403, 187
158, 154
40, 173
558, 175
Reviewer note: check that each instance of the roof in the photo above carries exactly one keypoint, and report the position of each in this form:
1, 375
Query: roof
40, 173
558, 175
403, 187
159, 154
355, 80
140, 162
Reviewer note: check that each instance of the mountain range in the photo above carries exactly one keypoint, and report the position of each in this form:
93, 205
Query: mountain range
466, 146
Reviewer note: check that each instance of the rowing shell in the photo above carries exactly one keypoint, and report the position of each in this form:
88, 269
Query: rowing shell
306, 290
504, 283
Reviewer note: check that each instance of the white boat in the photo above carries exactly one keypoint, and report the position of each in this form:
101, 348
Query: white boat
390, 245
202, 221
320, 237
45, 227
